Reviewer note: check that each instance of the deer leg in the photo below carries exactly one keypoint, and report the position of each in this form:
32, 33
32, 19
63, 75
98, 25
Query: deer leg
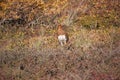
61, 43
64, 41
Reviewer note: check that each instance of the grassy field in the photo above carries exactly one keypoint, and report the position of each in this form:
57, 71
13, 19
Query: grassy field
29, 49
35, 54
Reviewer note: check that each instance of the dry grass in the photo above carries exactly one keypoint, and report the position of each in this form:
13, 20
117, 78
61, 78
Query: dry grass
90, 55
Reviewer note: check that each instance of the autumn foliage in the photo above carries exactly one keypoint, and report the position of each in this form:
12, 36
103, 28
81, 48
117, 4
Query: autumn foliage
29, 46
49, 13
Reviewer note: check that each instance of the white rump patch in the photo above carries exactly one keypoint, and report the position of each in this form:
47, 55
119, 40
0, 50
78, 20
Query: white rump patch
62, 38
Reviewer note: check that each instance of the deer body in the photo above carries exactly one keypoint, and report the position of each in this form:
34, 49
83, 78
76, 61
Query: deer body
62, 36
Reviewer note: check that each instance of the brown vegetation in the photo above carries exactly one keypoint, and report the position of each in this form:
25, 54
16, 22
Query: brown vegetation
29, 49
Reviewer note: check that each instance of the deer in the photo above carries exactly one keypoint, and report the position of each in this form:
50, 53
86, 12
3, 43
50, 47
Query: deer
62, 35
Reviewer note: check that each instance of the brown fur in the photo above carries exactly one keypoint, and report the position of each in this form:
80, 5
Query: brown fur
61, 31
